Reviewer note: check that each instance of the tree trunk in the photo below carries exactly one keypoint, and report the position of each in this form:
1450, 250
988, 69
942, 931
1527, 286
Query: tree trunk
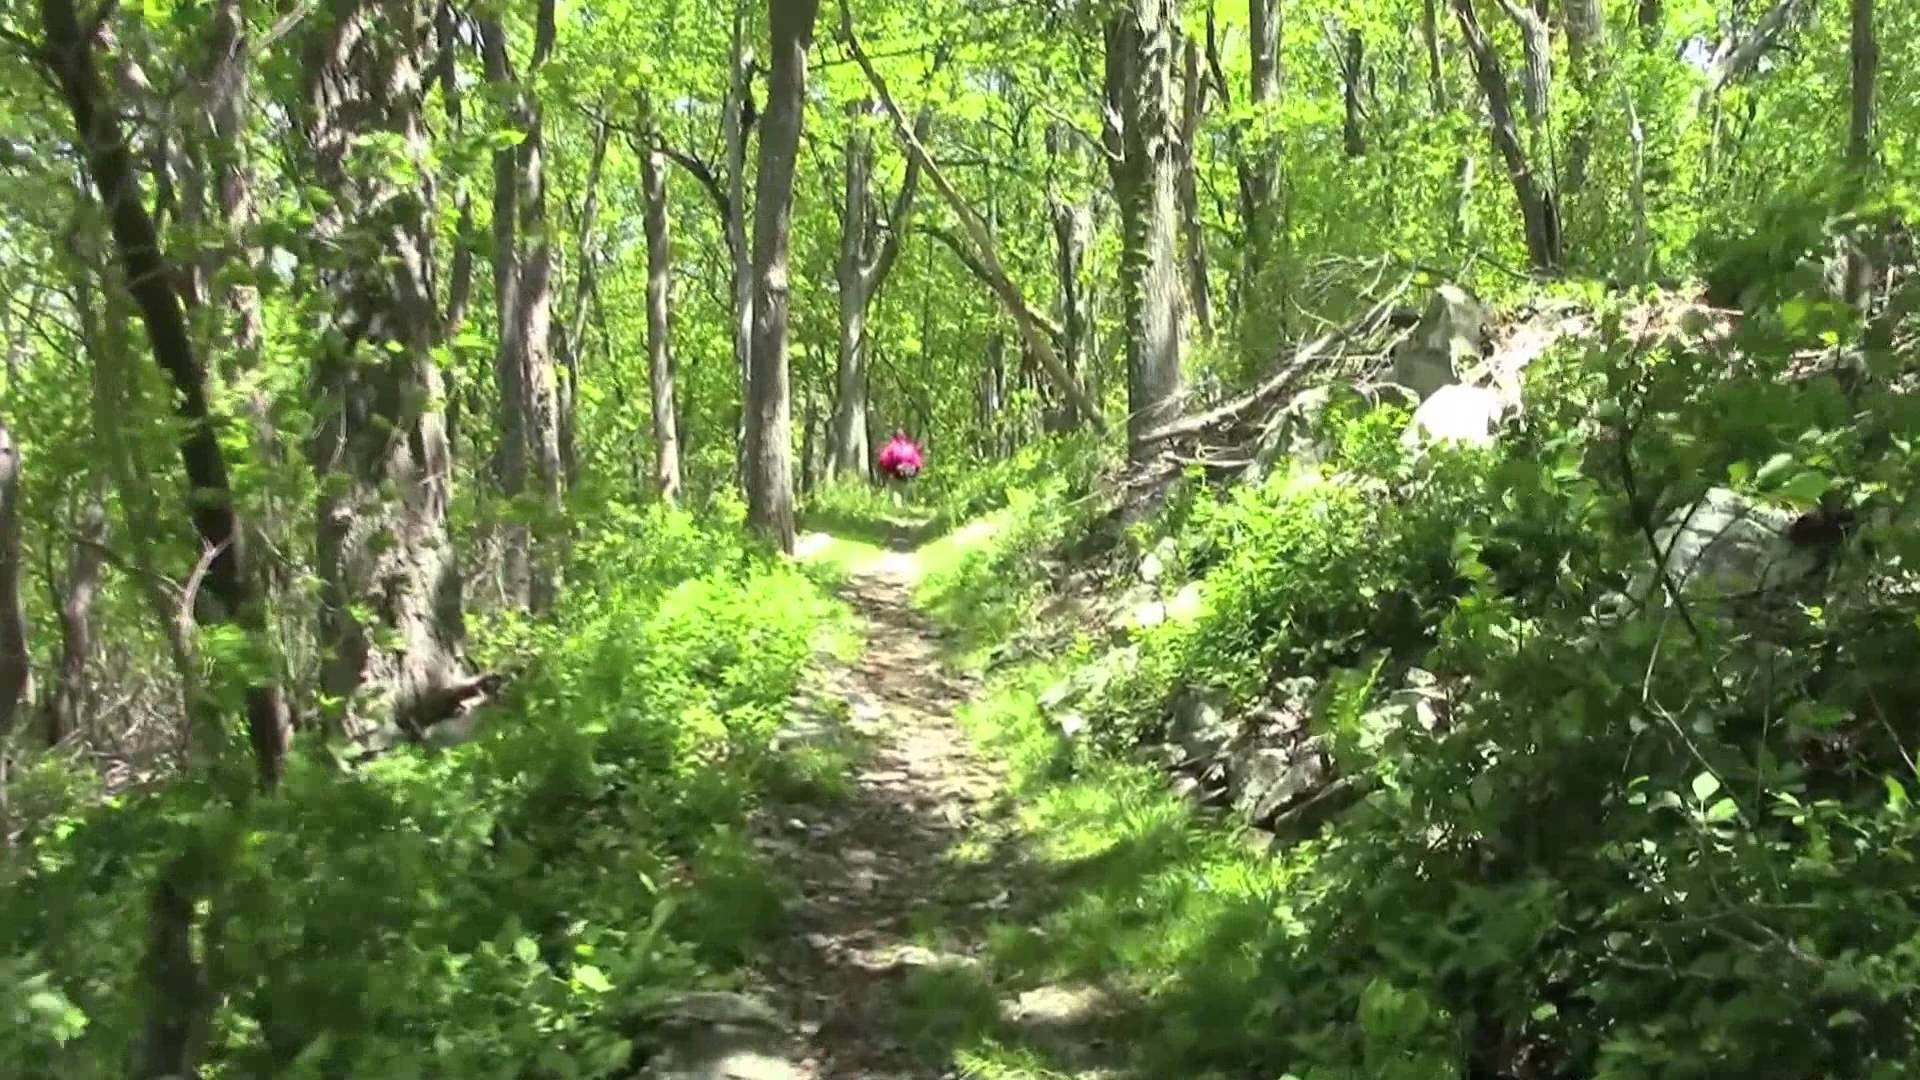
390, 584
1353, 69
1193, 107
666, 438
572, 344
529, 461
1259, 176
1539, 212
1142, 144
1586, 50
1436, 72
447, 71
1072, 226
736, 113
868, 250
848, 449
66, 699
229, 593
15, 666
1860, 271
770, 410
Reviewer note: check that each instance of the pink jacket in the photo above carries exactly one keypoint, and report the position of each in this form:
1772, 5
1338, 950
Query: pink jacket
900, 457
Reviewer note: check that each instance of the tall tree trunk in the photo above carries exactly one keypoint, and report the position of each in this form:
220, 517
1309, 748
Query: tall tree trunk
15, 665
666, 438
770, 410
571, 347
1860, 271
1586, 28
229, 593
1539, 211
447, 71
65, 700
848, 449
523, 292
868, 250
736, 125
1072, 227
1193, 107
1353, 72
1259, 175
390, 584
1142, 146
1436, 71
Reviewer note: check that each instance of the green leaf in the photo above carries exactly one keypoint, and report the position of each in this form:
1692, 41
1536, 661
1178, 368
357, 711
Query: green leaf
1897, 801
1545, 1012
592, 978
1724, 810
1705, 785
1806, 487
527, 950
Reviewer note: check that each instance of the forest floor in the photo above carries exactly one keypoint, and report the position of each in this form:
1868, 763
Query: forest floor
901, 881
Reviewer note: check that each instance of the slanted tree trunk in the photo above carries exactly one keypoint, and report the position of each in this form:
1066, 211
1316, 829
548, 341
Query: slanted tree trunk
15, 666
666, 437
65, 700
770, 410
1032, 325
529, 461
868, 250
229, 593
391, 620
1193, 108
1539, 210
1353, 73
460, 285
1142, 146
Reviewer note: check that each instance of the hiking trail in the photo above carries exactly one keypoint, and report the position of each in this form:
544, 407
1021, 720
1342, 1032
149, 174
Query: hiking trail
882, 970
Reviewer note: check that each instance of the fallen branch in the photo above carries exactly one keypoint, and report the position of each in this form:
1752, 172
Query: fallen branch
1303, 360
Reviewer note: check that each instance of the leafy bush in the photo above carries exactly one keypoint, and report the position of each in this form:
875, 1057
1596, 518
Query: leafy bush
503, 908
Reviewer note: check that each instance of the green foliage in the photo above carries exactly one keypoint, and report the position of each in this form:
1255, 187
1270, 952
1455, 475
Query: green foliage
1667, 841
506, 907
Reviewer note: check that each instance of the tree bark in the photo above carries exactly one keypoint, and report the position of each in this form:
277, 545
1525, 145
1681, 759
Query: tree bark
1142, 144
1072, 227
736, 125
1353, 69
1028, 322
447, 71
1860, 270
1259, 176
1193, 107
16, 669
1539, 211
868, 250
390, 583
67, 697
229, 593
529, 461
666, 438
1436, 71
571, 347
770, 408
1586, 51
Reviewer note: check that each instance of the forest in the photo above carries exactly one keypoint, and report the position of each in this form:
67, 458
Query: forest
1415, 572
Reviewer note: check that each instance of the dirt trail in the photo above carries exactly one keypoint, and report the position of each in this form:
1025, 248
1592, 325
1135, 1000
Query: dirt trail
898, 881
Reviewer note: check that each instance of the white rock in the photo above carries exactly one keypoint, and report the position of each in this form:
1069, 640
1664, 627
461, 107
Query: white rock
1458, 414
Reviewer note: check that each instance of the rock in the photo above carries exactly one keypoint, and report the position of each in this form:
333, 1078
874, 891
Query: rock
1269, 780
1198, 727
1469, 415
1187, 788
719, 1036
1186, 605
1153, 566
1728, 547
1059, 1007
718, 1008
1451, 333
1422, 701
1072, 724
1259, 842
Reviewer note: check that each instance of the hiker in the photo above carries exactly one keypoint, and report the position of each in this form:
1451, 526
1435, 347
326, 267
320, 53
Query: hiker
899, 463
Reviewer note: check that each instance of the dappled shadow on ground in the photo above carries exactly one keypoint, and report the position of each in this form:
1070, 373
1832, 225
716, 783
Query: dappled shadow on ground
902, 531
904, 879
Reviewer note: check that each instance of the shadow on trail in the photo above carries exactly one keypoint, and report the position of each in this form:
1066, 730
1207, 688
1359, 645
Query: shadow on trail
903, 532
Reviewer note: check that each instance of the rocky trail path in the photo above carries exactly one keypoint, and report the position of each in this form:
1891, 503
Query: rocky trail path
882, 971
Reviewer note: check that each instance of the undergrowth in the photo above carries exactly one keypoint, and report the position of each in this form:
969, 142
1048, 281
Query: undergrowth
508, 907
1649, 837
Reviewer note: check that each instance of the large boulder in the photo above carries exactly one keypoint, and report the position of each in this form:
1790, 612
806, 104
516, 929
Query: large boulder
1466, 415
1198, 727
720, 1036
1268, 781
1450, 335
1727, 547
